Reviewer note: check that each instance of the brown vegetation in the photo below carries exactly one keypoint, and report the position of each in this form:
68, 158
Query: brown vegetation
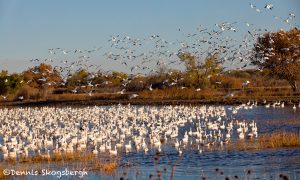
279, 52
2, 176
267, 141
107, 168
88, 160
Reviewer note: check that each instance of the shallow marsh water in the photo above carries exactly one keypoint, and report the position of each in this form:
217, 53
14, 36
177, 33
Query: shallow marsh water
212, 164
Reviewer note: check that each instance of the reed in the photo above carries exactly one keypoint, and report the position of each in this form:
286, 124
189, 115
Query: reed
280, 139
85, 97
76, 160
57, 157
82, 158
1, 173
178, 93
108, 168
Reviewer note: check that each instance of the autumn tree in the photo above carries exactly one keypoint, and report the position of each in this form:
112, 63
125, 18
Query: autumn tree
198, 74
211, 66
191, 75
118, 77
189, 59
279, 53
208, 69
78, 79
42, 77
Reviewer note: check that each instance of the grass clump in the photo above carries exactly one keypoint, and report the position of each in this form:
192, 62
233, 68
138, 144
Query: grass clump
108, 168
274, 140
281, 139
1, 173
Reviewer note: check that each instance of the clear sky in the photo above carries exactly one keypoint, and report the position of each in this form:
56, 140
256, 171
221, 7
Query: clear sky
28, 28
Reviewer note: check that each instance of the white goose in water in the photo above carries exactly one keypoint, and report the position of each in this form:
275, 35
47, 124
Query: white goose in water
176, 144
241, 135
185, 138
103, 129
102, 148
179, 151
114, 152
95, 151
128, 147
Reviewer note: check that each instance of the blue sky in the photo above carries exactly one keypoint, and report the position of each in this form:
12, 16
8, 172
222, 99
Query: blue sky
29, 28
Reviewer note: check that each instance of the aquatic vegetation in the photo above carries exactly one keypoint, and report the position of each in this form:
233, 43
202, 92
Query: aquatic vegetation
279, 139
73, 161
1, 173
57, 157
108, 168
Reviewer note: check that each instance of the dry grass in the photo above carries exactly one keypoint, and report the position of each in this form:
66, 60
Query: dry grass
178, 93
85, 97
1, 173
57, 157
267, 141
215, 94
281, 139
108, 168
76, 159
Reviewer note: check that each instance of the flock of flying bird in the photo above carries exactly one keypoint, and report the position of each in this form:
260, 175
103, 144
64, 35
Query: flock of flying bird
30, 131
140, 56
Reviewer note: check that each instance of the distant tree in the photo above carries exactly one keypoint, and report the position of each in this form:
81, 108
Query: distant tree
10, 83
118, 77
189, 59
160, 71
79, 78
208, 69
3, 82
191, 76
42, 77
137, 83
279, 52
198, 74
211, 66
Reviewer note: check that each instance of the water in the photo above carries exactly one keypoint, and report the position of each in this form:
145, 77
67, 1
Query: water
261, 164
214, 164
266, 116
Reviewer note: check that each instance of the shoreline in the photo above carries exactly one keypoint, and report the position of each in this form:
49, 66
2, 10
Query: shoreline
151, 102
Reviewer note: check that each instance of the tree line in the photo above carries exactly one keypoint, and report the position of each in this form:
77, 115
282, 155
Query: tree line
276, 56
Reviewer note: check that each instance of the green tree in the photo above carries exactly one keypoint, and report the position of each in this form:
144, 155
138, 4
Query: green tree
118, 77
211, 67
199, 74
79, 78
191, 76
189, 59
10, 83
